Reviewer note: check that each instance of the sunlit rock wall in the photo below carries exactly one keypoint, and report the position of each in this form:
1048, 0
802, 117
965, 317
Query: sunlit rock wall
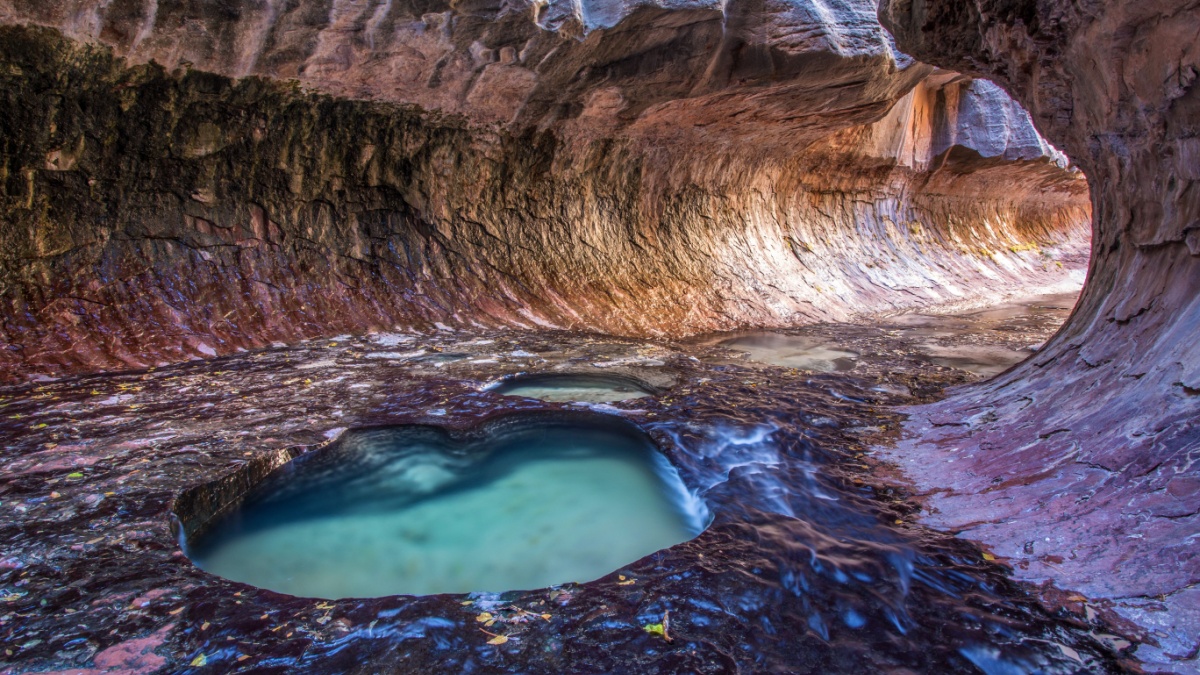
651, 171
1080, 466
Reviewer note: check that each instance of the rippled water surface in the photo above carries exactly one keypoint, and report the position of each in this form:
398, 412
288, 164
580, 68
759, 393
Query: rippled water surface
409, 511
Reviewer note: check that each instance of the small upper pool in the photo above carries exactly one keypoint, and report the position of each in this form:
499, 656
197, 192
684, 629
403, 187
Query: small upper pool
791, 351
567, 387
527, 503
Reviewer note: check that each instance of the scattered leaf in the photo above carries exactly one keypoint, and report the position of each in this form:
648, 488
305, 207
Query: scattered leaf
546, 617
464, 603
243, 657
75, 475
988, 556
496, 639
204, 626
175, 611
661, 629
200, 661
486, 616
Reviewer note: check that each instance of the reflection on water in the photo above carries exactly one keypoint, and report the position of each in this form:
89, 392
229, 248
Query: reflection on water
984, 360
790, 351
980, 342
410, 511
569, 387
945, 339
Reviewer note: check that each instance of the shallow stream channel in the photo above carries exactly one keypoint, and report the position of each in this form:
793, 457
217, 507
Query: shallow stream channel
536, 502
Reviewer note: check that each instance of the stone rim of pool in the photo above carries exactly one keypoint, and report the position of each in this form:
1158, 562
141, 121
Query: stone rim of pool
202, 510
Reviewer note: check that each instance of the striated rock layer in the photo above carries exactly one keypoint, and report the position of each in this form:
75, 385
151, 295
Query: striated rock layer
1079, 466
664, 171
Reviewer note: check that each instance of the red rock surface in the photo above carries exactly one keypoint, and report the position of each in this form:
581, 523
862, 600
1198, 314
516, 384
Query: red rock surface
829, 181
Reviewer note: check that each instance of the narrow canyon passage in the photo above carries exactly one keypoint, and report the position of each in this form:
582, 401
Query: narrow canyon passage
379, 336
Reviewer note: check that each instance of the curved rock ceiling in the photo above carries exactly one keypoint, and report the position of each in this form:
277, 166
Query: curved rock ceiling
650, 169
642, 171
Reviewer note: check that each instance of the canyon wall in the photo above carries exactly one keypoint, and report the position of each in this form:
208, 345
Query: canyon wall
659, 171
1079, 466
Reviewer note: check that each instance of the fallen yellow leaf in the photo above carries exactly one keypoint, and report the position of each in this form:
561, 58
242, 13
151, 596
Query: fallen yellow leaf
484, 617
498, 640
199, 661
988, 556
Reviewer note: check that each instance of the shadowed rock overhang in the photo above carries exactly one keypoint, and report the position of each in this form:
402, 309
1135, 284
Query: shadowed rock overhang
651, 170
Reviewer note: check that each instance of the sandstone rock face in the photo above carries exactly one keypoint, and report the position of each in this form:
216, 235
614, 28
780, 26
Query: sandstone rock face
154, 216
1079, 465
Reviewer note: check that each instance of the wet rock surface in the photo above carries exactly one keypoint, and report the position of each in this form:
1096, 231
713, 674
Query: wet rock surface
811, 564
1080, 465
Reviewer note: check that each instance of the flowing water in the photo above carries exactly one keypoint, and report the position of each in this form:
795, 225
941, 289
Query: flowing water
752, 519
565, 388
411, 511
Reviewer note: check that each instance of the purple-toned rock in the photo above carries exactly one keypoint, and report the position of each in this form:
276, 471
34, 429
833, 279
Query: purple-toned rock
1079, 466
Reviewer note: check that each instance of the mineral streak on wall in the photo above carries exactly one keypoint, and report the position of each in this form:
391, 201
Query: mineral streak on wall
659, 171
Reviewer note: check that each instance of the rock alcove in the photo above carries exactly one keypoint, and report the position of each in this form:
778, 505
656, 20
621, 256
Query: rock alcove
231, 231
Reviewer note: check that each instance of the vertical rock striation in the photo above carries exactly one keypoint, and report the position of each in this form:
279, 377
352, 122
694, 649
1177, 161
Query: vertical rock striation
1079, 466
153, 216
